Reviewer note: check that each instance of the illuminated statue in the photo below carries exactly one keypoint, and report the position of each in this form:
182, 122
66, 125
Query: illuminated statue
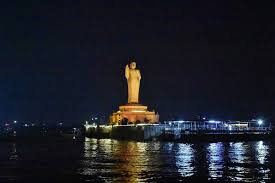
133, 111
133, 79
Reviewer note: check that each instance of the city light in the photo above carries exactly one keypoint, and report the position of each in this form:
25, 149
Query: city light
213, 121
260, 122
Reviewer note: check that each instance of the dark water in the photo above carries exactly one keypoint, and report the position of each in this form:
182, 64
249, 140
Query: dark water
126, 161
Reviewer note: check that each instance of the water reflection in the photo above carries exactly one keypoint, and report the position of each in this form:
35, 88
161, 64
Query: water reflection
185, 159
134, 161
261, 152
215, 155
128, 161
13, 153
237, 152
238, 161
168, 147
120, 161
97, 158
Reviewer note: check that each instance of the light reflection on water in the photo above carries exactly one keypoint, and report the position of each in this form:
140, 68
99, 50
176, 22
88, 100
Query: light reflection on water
262, 152
129, 161
185, 159
239, 161
262, 156
125, 161
215, 155
13, 153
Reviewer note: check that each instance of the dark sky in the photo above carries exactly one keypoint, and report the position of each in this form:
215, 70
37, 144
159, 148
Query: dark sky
64, 60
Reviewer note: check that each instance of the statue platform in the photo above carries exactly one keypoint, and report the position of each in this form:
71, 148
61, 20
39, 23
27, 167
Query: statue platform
133, 107
133, 113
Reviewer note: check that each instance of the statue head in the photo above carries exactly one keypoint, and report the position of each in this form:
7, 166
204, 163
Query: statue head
133, 65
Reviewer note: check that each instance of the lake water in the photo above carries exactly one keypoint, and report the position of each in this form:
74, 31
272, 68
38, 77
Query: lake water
109, 160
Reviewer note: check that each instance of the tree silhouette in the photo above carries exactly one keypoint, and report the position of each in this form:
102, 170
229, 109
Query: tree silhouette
146, 120
124, 121
137, 122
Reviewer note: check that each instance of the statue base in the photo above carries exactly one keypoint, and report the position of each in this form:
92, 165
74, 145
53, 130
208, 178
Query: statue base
133, 113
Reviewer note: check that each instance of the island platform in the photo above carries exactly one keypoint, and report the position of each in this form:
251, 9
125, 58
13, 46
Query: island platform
182, 131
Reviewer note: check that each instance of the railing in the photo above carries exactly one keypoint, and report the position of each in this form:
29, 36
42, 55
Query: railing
176, 130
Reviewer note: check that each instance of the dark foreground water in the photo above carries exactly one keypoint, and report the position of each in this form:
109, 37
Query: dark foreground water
126, 161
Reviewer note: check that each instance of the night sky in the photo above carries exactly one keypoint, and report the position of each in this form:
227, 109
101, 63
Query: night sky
65, 60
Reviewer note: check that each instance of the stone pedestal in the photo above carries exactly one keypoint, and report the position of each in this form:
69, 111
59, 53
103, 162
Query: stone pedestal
125, 132
134, 113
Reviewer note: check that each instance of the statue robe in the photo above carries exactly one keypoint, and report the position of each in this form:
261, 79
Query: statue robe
133, 81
